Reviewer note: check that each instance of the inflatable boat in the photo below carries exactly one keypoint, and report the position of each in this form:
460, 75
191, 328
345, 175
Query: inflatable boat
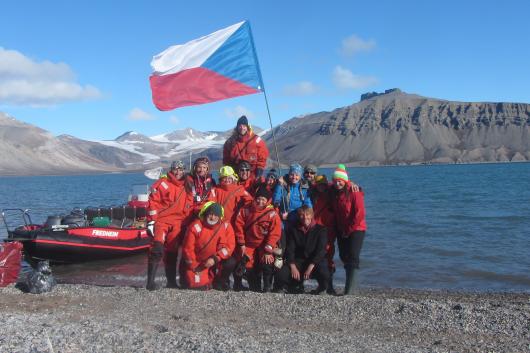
95, 234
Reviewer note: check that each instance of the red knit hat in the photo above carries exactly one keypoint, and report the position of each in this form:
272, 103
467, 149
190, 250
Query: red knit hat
340, 173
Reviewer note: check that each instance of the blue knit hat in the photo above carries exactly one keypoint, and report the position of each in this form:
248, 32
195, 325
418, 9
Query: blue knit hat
296, 169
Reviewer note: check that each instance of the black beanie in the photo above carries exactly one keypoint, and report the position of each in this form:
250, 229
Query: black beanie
263, 192
242, 121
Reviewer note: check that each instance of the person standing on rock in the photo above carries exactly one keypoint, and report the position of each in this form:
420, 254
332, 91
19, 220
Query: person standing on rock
305, 254
167, 213
347, 203
245, 145
209, 240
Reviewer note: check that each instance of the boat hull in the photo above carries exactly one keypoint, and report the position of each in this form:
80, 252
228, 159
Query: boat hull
82, 244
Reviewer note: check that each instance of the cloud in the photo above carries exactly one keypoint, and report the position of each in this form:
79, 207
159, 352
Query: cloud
303, 88
27, 82
345, 79
173, 119
237, 111
354, 44
138, 114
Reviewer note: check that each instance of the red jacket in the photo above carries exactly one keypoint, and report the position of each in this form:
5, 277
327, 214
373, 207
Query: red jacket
249, 147
348, 207
168, 200
258, 228
202, 242
323, 212
232, 197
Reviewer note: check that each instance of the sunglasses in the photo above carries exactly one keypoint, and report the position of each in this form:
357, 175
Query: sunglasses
244, 170
312, 173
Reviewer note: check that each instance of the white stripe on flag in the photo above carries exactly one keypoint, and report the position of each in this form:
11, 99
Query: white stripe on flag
191, 54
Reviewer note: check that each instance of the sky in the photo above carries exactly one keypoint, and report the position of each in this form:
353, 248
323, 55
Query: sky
82, 67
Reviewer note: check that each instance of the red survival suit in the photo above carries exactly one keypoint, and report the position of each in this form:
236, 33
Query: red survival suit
249, 147
258, 230
202, 242
232, 197
170, 208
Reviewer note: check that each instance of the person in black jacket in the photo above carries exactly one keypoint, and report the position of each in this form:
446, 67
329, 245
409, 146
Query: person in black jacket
305, 254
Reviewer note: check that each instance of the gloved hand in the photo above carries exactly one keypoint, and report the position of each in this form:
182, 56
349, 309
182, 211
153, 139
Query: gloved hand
151, 228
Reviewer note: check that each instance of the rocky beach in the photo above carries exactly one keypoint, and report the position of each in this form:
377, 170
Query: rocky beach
83, 318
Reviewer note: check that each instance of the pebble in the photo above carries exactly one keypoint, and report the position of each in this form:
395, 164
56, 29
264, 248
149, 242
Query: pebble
80, 318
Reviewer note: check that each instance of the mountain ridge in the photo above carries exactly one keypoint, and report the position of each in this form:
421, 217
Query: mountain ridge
388, 128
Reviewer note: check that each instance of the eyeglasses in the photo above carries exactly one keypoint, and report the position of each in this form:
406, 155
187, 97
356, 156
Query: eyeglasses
244, 170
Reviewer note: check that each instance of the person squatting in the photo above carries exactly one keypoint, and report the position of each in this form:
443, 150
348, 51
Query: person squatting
273, 231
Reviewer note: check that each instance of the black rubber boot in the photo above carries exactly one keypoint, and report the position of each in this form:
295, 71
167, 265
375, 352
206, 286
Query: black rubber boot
254, 281
170, 265
267, 282
238, 284
351, 281
152, 267
330, 290
155, 255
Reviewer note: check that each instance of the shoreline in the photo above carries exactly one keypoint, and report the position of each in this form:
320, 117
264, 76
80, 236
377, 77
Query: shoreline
76, 318
328, 166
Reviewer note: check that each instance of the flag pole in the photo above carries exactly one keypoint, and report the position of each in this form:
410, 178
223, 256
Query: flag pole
266, 100
268, 110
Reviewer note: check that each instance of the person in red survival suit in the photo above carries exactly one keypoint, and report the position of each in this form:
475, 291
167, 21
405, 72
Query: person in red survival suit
323, 214
207, 243
229, 194
245, 145
347, 203
246, 179
168, 209
199, 183
258, 229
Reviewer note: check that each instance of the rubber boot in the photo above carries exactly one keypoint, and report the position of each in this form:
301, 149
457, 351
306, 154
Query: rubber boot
152, 267
170, 265
254, 281
154, 257
351, 281
331, 290
267, 282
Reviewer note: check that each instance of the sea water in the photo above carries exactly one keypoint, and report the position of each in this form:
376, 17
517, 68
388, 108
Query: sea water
464, 227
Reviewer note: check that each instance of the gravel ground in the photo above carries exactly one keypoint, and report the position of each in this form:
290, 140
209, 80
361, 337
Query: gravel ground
82, 318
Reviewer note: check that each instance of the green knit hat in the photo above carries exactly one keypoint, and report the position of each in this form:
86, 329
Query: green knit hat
340, 173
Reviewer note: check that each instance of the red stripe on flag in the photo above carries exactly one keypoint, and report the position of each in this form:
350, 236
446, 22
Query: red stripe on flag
194, 86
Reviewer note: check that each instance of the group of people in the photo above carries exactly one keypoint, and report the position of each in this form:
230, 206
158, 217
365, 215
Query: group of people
274, 231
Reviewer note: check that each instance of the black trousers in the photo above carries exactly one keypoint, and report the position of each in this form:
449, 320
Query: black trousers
320, 273
350, 248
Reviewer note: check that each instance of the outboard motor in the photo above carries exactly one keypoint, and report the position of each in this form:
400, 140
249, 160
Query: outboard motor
53, 221
76, 218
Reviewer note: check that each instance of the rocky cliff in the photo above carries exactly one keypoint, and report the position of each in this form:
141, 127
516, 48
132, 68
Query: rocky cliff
399, 128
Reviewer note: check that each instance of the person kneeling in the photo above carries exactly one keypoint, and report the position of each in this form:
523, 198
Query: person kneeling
208, 242
305, 254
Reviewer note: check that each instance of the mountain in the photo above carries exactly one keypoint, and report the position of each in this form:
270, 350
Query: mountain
399, 128
28, 150
386, 128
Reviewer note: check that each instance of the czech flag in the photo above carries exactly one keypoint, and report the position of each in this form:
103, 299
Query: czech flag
218, 66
